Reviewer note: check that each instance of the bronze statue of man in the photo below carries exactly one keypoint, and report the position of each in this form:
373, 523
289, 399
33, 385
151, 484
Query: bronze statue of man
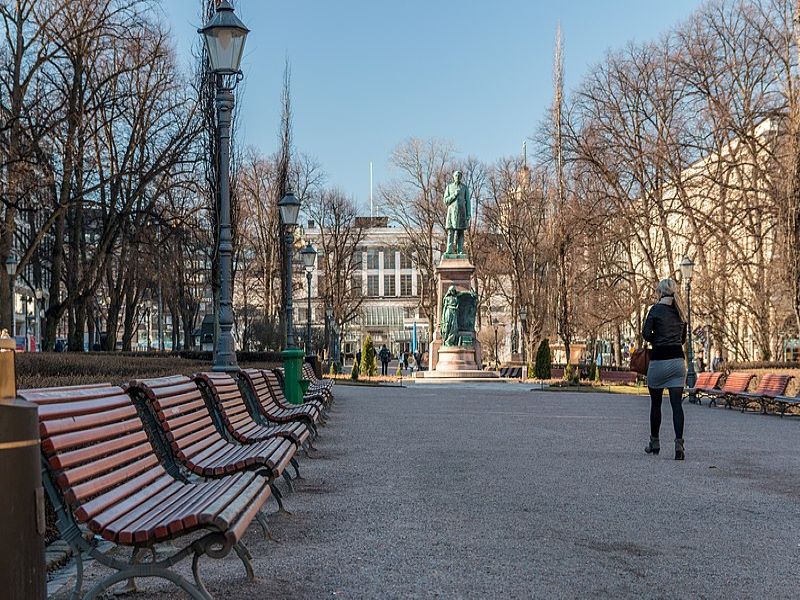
456, 199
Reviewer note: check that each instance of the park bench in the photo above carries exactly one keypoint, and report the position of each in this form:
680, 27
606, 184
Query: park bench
736, 383
224, 393
770, 386
310, 395
784, 402
626, 377
274, 408
195, 441
706, 384
101, 474
511, 372
318, 386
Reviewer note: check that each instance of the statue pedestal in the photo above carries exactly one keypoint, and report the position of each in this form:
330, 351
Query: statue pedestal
456, 358
462, 361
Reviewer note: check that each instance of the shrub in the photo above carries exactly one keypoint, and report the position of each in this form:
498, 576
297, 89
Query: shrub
354, 372
597, 374
592, 372
572, 373
370, 366
543, 361
399, 372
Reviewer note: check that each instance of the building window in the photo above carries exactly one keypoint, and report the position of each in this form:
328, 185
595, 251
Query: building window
358, 259
388, 259
372, 285
372, 259
388, 285
405, 260
405, 285
356, 285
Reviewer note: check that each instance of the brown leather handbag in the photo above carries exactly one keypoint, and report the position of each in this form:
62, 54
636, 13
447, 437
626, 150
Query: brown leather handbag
640, 360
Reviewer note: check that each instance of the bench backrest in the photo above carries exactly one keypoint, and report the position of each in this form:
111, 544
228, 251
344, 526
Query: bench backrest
702, 379
308, 373
223, 390
262, 391
773, 384
737, 382
181, 411
95, 446
275, 387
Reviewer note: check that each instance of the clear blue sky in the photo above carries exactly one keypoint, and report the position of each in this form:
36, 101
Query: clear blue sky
367, 74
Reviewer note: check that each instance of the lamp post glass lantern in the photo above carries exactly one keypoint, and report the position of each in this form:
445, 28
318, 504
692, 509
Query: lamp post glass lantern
224, 38
309, 255
687, 270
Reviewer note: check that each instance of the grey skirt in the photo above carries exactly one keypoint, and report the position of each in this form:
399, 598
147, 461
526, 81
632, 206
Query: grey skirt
666, 373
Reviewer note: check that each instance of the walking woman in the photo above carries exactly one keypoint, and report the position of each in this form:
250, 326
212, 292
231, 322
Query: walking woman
665, 329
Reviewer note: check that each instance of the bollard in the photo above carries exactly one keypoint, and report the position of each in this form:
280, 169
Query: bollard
22, 518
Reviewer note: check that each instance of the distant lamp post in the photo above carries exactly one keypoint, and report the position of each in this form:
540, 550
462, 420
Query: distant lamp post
39, 293
224, 38
289, 207
11, 269
329, 332
687, 270
496, 346
309, 255
523, 319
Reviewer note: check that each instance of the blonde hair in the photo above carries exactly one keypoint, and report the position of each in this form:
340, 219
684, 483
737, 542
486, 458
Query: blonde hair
667, 288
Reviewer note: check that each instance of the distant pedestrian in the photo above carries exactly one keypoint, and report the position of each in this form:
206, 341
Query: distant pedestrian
358, 360
405, 360
718, 363
665, 329
385, 357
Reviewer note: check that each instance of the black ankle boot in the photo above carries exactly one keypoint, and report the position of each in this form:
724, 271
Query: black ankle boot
652, 447
679, 453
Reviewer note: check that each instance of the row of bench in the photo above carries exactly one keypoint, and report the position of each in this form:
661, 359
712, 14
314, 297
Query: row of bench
170, 458
769, 393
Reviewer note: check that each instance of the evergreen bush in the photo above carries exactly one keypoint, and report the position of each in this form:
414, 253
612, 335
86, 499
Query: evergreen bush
368, 357
354, 372
542, 369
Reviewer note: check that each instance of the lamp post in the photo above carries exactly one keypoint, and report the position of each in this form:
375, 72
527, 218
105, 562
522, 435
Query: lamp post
309, 255
224, 38
37, 307
25, 301
687, 269
11, 269
496, 347
329, 333
523, 319
292, 357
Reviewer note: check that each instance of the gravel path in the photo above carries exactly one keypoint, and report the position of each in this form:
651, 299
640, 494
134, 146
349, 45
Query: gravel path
494, 490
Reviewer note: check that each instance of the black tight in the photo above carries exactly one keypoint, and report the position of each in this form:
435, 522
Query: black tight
675, 399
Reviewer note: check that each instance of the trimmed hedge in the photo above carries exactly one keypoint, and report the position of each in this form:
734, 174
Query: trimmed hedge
270, 356
51, 369
745, 366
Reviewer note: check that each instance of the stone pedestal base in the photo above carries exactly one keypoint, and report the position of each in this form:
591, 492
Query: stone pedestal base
456, 358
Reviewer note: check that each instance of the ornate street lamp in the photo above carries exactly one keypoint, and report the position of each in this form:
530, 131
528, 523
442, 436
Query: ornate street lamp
11, 269
687, 270
329, 332
224, 38
289, 207
309, 255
